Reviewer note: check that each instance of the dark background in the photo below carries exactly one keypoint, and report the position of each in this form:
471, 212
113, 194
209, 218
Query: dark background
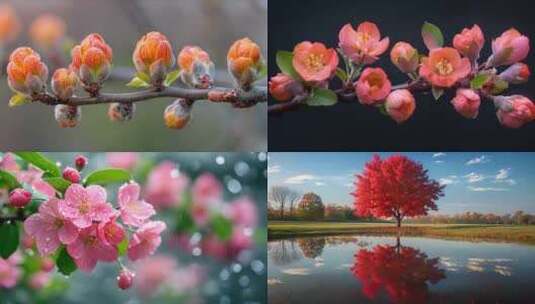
435, 125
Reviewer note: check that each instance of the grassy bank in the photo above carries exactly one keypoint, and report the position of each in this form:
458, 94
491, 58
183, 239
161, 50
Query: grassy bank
506, 233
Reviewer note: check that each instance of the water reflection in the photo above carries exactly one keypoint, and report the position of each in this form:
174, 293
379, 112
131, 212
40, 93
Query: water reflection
284, 252
403, 272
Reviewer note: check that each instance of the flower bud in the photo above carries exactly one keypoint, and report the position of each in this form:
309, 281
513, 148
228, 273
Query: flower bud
67, 116
469, 42
72, 175
466, 102
373, 86
405, 57
27, 74
517, 73
154, 56
125, 279
400, 105
19, 198
80, 162
64, 83
9, 24
178, 114
244, 62
47, 264
92, 59
283, 87
196, 68
514, 111
509, 48
47, 31
119, 112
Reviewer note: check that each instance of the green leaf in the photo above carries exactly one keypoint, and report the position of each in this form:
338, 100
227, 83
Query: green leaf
222, 227
382, 109
40, 161
184, 221
437, 92
432, 36
107, 176
479, 81
8, 180
322, 97
341, 74
18, 100
262, 72
171, 77
122, 247
143, 76
285, 63
65, 263
137, 82
59, 183
9, 239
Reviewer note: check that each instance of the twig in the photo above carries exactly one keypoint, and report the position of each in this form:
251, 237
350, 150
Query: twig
283, 107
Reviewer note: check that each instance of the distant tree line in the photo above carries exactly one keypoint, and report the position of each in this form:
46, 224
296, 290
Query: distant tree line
517, 218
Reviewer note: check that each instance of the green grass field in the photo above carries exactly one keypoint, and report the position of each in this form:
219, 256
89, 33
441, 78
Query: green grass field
505, 233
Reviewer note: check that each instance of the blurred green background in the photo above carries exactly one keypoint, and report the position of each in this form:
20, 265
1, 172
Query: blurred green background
211, 24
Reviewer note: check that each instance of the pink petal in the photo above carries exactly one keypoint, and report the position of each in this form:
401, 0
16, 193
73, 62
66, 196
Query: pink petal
76, 249
44, 188
76, 194
105, 252
96, 194
82, 221
128, 193
68, 233
371, 29
381, 47
86, 264
135, 213
140, 251
50, 208
34, 224
103, 212
47, 242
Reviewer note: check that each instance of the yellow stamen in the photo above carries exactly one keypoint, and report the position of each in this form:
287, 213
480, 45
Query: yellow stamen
314, 62
444, 67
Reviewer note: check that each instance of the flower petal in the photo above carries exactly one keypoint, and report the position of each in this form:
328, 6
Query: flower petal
68, 233
128, 193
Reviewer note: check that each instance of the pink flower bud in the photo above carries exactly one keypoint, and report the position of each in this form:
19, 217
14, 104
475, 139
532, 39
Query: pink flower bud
125, 279
314, 62
373, 86
72, 175
80, 162
196, 68
283, 87
400, 105
39, 280
19, 198
514, 111
178, 114
67, 116
517, 73
405, 57
509, 48
47, 264
469, 42
466, 102
119, 112
363, 45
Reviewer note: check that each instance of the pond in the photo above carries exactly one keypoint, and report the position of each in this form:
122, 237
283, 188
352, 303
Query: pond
371, 269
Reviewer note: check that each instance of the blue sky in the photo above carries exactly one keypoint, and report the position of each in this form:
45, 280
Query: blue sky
479, 181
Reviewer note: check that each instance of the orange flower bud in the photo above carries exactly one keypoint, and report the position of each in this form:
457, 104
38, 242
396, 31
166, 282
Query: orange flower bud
64, 82
197, 70
244, 62
27, 74
119, 112
67, 116
9, 24
47, 31
154, 56
91, 59
178, 114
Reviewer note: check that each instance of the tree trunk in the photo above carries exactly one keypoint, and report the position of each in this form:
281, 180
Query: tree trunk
398, 219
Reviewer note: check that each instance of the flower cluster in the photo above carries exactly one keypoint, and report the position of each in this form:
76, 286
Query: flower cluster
307, 71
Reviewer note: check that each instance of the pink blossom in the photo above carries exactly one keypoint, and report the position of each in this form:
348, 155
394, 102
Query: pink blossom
372, 86
215, 247
152, 272
9, 274
39, 280
134, 211
125, 279
33, 177
314, 62
240, 240
515, 111
19, 198
444, 67
111, 232
122, 160
145, 240
405, 57
469, 42
207, 188
364, 45
8, 163
88, 249
400, 105
243, 212
509, 48
85, 205
466, 102
50, 228
165, 185
72, 175
516, 74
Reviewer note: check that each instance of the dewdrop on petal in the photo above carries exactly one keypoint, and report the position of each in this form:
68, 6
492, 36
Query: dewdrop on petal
178, 114
119, 112
67, 116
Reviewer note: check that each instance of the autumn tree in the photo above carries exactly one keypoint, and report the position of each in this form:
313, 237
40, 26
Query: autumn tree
395, 187
311, 207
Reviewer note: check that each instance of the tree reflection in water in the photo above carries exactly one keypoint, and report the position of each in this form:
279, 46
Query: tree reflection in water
403, 272
311, 247
284, 252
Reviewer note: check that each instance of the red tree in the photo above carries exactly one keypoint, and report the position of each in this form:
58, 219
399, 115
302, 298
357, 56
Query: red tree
395, 187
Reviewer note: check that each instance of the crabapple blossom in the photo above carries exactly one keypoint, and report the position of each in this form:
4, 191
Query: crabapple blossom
19, 198
466, 102
516, 74
314, 62
122, 160
39, 280
47, 31
178, 114
9, 273
196, 68
145, 240
244, 61
89, 248
207, 188
509, 48
154, 57
84, 205
405, 57
134, 211
50, 228
64, 83
72, 175
165, 185
400, 105
444, 67
80, 162
469, 42
111, 232
243, 212
363, 45
47, 264
283, 87
373, 86
26, 73
91, 59
125, 279
515, 111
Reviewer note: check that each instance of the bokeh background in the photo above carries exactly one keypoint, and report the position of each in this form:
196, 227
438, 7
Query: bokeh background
211, 24
198, 276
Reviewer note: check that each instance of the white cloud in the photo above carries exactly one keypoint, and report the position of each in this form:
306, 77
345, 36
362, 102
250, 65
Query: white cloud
486, 189
473, 177
439, 154
349, 185
439, 161
274, 169
503, 174
449, 180
319, 183
478, 160
300, 179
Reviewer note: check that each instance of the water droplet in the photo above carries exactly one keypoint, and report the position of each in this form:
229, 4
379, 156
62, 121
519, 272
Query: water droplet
262, 156
236, 267
224, 275
220, 160
196, 251
241, 168
234, 186
244, 281
175, 173
257, 266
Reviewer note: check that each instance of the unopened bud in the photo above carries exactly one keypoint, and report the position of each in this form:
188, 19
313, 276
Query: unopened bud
67, 116
178, 114
125, 279
72, 175
121, 111
19, 198
80, 162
